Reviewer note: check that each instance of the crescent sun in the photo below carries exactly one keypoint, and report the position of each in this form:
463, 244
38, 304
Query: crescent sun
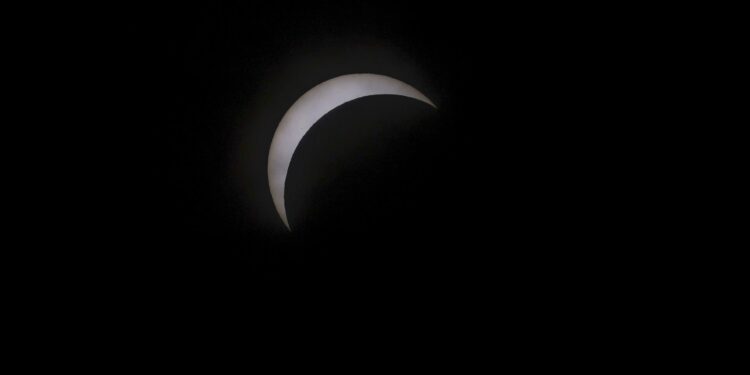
312, 106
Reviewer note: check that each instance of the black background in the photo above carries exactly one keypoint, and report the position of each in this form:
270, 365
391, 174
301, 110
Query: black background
512, 193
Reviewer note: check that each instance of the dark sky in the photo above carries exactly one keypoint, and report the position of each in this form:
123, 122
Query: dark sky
501, 191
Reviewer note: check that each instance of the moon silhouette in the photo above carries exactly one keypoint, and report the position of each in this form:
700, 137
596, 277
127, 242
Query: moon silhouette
313, 105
